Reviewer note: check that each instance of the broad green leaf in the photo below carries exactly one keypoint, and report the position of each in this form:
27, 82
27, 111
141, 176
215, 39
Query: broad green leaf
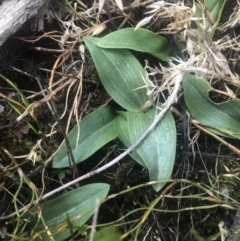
121, 127
78, 205
96, 129
223, 118
120, 73
141, 40
110, 233
157, 151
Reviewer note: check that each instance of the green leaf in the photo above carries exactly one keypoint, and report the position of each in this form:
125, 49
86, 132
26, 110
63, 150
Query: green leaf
110, 233
121, 75
222, 119
96, 130
122, 129
141, 40
78, 205
157, 151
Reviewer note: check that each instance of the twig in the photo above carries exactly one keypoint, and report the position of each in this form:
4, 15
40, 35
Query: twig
94, 222
41, 49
